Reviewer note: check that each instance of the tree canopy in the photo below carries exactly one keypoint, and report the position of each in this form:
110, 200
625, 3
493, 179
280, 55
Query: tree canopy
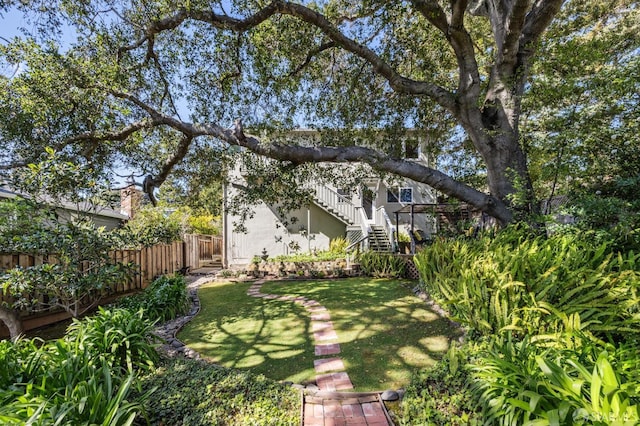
542, 89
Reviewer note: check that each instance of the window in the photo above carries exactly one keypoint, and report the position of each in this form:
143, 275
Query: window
392, 197
411, 149
406, 195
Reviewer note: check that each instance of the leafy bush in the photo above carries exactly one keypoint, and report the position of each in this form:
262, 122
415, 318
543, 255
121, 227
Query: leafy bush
403, 237
207, 224
21, 362
78, 271
382, 264
119, 336
322, 256
560, 319
531, 284
532, 383
160, 225
195, 393
607, 210
338, 246
152, 226
164, 299
73, 380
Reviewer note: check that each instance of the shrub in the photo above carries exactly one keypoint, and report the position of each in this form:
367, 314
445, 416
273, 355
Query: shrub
308, 257
207, 224
382, 265
152, 226
22, 361
164, 299
119, 336
531, 284
403, 237
338, 246
440, 395
531, 383
63, 382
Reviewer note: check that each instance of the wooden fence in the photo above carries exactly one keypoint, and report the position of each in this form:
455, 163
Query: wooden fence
203, 250
150, 262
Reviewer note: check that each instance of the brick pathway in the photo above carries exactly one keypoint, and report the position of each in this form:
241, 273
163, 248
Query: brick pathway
327, 407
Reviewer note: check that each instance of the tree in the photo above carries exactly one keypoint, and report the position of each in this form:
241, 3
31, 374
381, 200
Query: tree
77, 270
580, 122
121, 90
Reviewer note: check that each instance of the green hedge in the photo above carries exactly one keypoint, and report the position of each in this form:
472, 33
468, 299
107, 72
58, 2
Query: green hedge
164, 299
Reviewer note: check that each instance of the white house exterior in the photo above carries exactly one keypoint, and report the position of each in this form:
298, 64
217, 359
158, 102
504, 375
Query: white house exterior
363, 215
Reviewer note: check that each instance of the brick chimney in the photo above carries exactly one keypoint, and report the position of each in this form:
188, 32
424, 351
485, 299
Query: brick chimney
130, 200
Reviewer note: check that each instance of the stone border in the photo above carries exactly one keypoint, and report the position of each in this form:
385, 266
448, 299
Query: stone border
172, 346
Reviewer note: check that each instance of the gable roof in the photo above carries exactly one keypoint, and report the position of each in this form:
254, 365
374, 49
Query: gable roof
84, 206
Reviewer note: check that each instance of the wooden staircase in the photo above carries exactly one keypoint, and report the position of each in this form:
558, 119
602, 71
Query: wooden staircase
342, 208
335, 212
378, 240
336, 204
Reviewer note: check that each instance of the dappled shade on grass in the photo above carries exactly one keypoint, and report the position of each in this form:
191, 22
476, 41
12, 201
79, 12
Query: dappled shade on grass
384, 331
238, 331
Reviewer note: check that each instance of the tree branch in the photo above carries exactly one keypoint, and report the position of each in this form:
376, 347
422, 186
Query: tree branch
513, 30
311, 55
119, 135
303, 154
433, 13
460, 40
398, 82
458, 8
380, 162
536, 22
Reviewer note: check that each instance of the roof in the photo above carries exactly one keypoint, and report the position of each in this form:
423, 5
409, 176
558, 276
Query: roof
68, 205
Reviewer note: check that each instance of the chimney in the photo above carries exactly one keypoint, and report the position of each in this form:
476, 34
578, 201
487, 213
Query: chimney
130, 200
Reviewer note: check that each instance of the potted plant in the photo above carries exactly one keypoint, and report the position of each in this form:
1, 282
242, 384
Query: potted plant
404, 243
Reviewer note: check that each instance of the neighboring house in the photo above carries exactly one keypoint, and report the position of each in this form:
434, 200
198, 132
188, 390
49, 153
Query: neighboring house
364, 215
101, 216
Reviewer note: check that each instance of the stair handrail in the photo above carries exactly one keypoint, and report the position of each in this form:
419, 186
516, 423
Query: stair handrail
355, 243
365, 226
382, 219
338, 202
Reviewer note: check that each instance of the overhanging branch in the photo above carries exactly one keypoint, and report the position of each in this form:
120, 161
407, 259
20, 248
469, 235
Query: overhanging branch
318, 154
397, 81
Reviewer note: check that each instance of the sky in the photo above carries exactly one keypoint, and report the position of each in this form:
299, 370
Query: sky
11, 22
10, 26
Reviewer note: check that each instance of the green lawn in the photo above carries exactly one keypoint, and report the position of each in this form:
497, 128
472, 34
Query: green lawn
385, 332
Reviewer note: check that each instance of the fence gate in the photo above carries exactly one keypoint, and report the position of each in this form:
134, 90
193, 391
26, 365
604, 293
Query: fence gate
203, 250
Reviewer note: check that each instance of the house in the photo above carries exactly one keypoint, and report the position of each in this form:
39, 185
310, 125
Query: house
101, 216
364, 215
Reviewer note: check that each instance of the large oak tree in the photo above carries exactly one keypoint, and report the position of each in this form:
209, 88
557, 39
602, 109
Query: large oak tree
159, 84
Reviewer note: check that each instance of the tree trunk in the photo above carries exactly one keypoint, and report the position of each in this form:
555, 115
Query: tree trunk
493, 129
12, 321
508, 175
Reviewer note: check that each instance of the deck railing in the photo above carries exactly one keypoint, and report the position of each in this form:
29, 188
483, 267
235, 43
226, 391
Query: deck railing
337, 203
